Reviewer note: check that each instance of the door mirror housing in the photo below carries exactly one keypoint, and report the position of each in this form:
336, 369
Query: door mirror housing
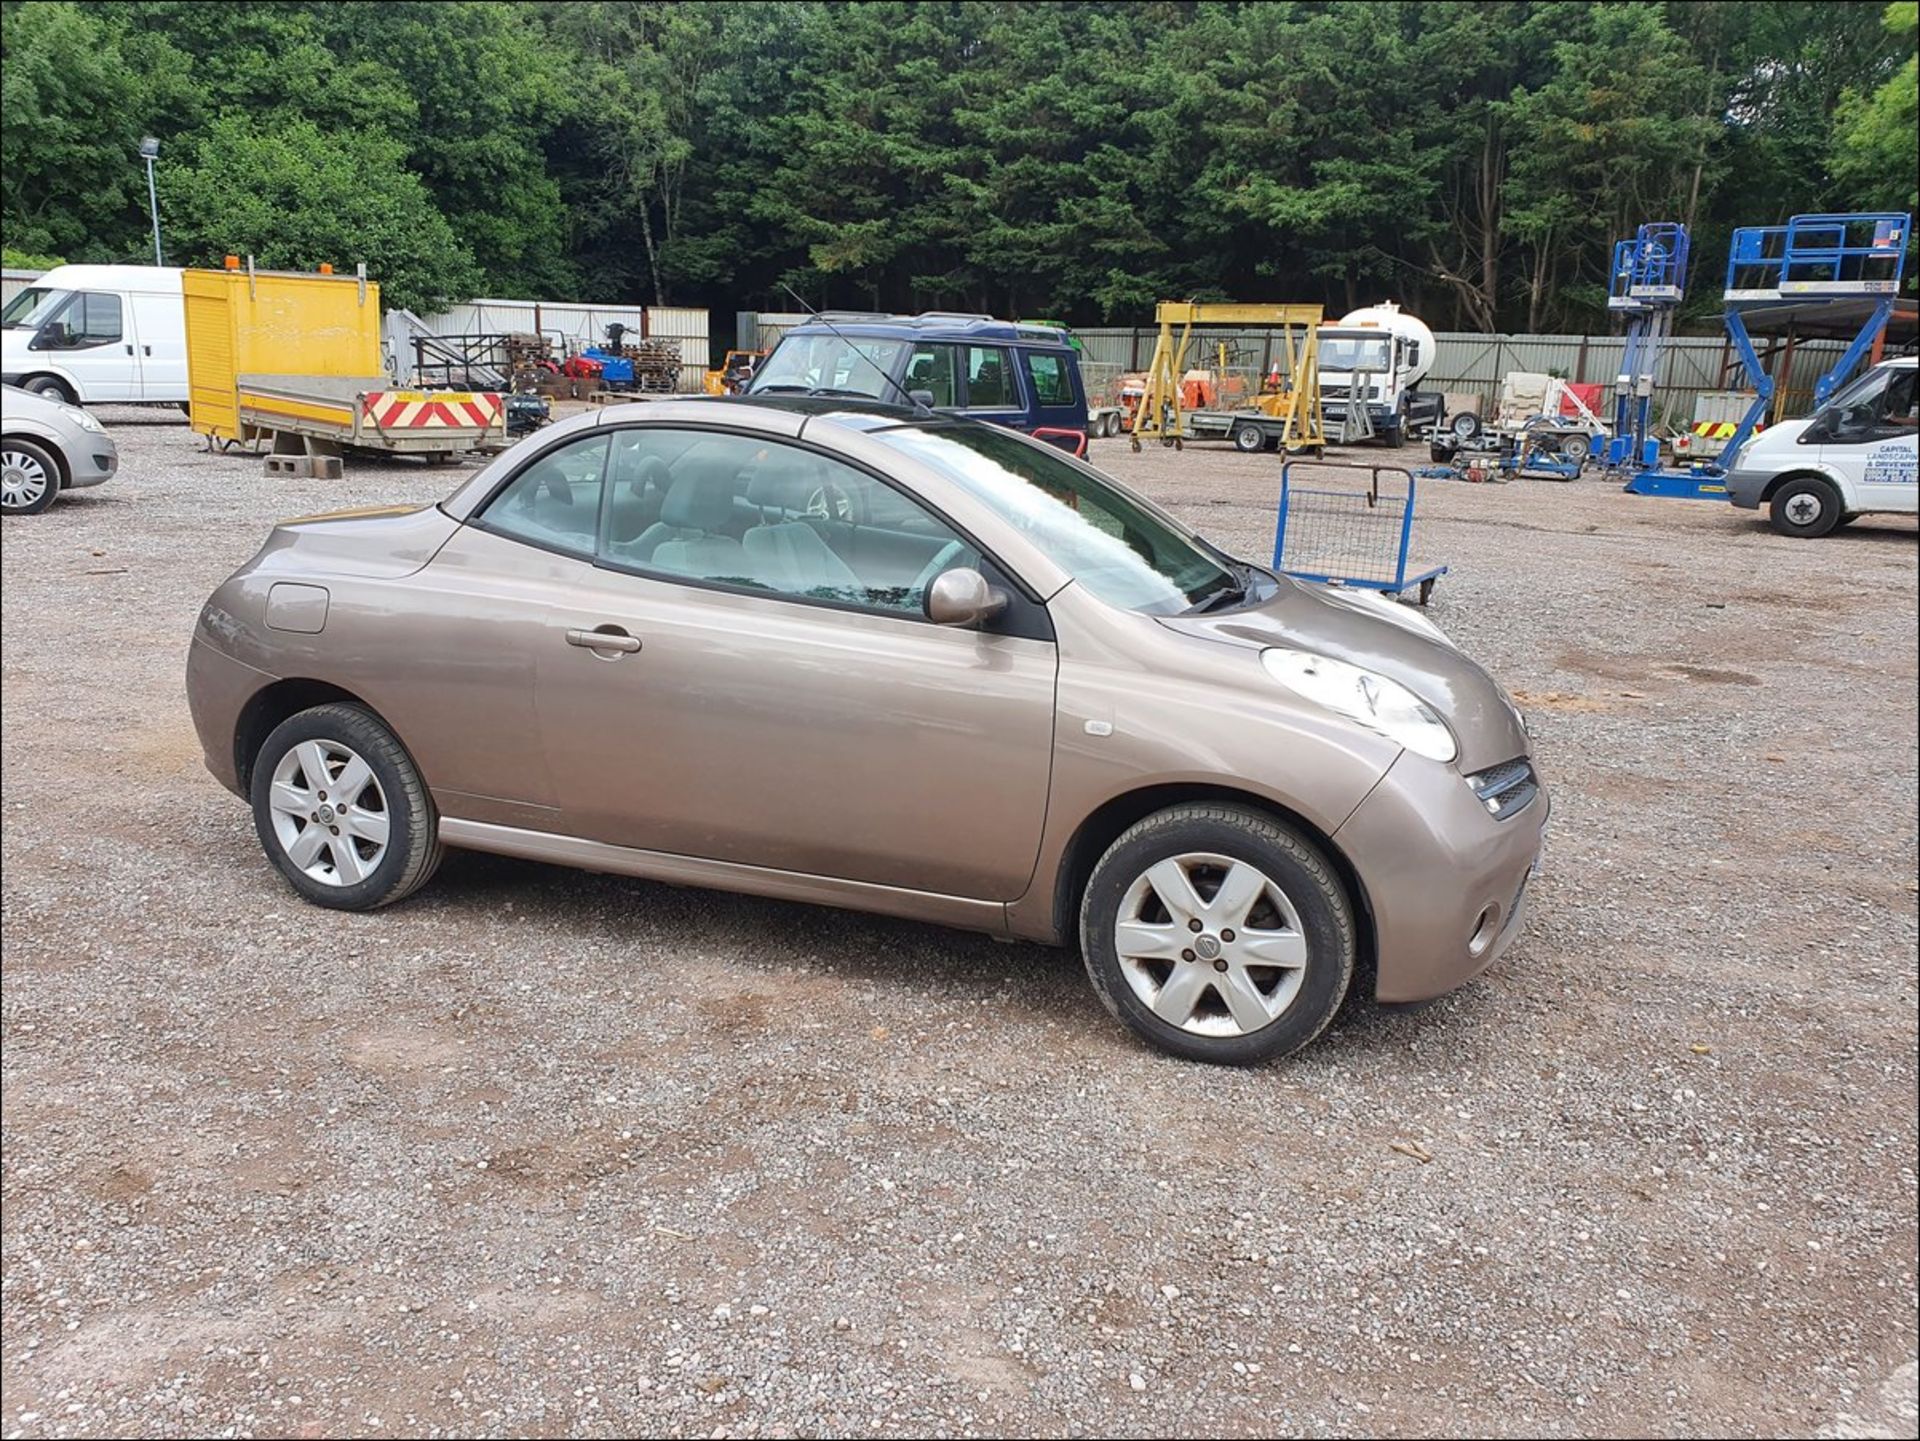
52, 336
962, 597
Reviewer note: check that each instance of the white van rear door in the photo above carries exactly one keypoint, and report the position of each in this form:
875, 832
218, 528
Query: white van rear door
161, 323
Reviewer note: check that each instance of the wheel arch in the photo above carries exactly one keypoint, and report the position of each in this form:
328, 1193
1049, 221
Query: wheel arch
1801, 472
1106, 824
272, 704
50, 446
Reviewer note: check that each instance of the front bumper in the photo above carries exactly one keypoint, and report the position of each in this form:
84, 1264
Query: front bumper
92, 461
1447, 881
1745, 487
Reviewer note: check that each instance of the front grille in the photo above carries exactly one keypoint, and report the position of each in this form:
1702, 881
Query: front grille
1506, 789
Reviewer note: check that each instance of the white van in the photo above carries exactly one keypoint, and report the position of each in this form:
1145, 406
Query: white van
90, 333
1859, 454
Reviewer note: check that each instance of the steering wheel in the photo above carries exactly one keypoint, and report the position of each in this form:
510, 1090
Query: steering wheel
829, 502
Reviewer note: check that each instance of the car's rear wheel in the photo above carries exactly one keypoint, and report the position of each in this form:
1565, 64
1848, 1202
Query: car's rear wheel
1218, 934
342, 811
29, 477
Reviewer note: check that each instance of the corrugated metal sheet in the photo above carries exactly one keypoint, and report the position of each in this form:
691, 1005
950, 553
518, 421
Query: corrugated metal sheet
585, 324
1474, 364
12, 282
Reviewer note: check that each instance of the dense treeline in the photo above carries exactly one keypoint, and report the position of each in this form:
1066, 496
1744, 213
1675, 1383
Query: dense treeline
1073, 160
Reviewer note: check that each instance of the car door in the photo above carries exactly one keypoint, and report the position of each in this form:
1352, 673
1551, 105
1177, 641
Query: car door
993, 386
750, 678
90, 339
1053, 379
160, 338
1873, 443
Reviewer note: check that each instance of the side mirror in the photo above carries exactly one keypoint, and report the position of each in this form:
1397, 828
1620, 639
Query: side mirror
921, 397
52, 336
962, 597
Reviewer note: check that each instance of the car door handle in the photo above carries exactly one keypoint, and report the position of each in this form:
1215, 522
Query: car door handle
611, 638
129, 350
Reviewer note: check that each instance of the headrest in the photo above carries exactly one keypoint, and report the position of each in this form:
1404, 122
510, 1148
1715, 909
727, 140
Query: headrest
642, 472
701, 497
783, 484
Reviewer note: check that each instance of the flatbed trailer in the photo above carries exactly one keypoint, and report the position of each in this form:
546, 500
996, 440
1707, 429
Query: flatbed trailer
325, 414
1248, 430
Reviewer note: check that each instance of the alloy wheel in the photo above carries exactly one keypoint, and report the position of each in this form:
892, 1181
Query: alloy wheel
1210, 944
329, 812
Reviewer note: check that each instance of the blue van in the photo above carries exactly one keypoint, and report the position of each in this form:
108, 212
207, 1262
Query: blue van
1023, 376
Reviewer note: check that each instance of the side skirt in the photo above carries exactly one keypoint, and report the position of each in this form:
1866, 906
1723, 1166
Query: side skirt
972, 915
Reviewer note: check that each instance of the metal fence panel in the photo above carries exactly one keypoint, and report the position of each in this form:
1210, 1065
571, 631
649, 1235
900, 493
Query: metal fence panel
585, 325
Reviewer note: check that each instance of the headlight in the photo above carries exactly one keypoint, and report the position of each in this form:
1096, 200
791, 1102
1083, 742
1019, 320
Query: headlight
80, 418
1360, 695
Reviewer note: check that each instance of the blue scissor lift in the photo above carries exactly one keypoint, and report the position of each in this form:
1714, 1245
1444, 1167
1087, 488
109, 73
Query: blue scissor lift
1648, 283
1812, 259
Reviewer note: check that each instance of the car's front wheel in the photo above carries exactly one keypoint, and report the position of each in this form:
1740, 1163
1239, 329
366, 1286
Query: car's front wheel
1218, 934
29, 477
342, 811
1806, 507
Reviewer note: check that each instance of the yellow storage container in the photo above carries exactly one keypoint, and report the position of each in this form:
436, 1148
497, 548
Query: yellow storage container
274, 323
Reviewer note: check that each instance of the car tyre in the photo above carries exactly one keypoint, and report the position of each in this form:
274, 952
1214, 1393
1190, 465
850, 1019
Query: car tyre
1210, 845
383, 841
52, 387
1806, 508
32, 477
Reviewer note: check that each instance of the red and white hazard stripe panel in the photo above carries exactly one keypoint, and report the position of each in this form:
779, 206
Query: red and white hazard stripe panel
430, 410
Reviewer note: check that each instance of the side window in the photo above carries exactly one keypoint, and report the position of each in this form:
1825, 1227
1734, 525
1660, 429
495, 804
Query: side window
742, 511
1878, 407
1052, 382
555, 502
931, 369
989, 384
91, 318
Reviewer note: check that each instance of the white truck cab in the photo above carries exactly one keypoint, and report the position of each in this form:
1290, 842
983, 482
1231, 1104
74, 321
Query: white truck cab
1859, 454
84, 334
1386, 353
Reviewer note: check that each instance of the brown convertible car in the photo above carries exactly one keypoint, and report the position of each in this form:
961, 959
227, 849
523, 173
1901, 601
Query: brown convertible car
837, 651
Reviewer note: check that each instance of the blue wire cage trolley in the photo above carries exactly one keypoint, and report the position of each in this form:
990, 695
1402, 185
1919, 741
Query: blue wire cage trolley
1343, 529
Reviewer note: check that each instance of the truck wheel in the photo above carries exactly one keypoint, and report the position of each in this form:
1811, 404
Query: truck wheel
52, 387
1806, 508
1466, 426
1248, 439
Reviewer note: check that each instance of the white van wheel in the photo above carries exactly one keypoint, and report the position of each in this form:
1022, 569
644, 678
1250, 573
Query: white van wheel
1806, 507
52, 387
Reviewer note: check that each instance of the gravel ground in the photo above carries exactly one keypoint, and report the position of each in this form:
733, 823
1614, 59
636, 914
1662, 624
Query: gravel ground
550, 1153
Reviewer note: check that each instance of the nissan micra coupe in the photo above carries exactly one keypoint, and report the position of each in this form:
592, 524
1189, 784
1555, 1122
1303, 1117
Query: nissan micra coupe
842, 652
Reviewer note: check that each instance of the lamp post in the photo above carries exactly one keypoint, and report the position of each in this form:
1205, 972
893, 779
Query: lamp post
149, 152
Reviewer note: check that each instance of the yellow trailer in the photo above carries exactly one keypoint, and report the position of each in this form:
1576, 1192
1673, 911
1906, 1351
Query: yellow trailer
294, 358
1286, 418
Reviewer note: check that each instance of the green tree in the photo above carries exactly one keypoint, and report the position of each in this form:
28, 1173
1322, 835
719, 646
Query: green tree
295, 196
1879, 133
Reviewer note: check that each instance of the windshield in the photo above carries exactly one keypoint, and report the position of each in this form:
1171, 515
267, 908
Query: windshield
856, 364
1860, 389
32, 308
1108, 541
1353, 352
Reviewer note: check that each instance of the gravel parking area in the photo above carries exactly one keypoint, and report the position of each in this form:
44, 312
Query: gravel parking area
549, 1153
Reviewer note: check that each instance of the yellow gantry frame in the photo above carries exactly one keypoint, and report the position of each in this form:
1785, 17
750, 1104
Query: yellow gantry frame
1296, 404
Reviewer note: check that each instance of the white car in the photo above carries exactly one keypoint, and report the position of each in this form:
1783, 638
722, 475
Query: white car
47, 447
1859, 454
